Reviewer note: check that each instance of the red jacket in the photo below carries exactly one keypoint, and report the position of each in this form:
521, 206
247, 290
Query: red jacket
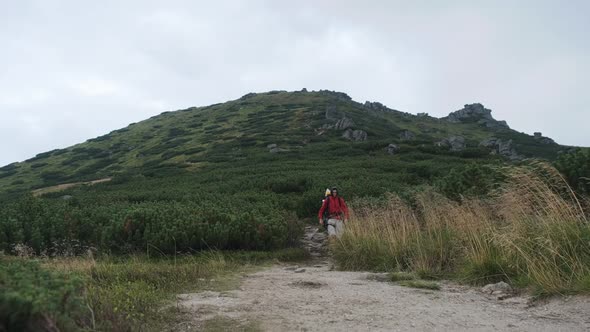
336, 208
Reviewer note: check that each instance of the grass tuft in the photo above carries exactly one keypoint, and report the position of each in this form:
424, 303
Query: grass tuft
421, 284
402, 276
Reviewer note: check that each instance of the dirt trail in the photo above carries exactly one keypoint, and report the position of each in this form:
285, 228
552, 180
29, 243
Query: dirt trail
312, 297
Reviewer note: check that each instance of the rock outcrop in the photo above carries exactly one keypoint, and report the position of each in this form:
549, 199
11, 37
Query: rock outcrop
542, 139
344, 123
338, 95
377, 106
274, 148
355, 135
501, 147
454, 143
338, 121
476, 113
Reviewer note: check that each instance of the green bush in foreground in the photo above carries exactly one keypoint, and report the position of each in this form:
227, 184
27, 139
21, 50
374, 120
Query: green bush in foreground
35, 299
121, 293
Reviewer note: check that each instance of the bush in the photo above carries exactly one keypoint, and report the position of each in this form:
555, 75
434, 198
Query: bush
472, 180
142, 222
35, 299
576, 169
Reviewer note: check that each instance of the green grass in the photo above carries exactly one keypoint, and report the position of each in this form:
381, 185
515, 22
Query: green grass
421, 284
402, 276
117, 293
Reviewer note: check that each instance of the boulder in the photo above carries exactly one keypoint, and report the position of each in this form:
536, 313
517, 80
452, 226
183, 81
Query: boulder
476, 113
457, 143
392, 149
497, 289
377, 106
502, 148
489, 143
542, 139
274, 148
355, 135
468, 112
454, 143
506, 149
406, 135
344, 123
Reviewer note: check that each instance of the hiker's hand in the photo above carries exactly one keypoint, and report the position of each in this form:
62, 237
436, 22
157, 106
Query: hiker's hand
321, 222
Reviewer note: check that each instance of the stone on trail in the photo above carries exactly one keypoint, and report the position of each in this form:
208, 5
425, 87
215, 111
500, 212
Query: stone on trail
299, 271
497, 289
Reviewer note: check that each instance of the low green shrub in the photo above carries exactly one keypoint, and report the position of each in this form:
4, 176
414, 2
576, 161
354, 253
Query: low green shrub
34, 299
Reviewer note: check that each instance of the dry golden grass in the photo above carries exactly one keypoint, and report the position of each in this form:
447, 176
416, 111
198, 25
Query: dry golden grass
533, 232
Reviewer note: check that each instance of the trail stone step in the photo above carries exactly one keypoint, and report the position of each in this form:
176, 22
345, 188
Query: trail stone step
315, 241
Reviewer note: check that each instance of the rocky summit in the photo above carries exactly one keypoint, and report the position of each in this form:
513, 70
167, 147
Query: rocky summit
476, 113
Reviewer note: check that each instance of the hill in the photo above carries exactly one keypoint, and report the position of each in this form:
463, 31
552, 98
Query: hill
240, 174
271, 127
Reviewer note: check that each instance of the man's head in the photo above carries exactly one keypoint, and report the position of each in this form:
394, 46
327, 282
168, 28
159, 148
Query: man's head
334, 191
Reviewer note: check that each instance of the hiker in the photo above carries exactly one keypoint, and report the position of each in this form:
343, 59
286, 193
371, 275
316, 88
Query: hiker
336, 211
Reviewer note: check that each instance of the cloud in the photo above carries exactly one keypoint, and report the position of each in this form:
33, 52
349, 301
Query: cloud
95, 87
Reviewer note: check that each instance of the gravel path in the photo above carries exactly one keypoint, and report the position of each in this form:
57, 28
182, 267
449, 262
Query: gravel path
315, 298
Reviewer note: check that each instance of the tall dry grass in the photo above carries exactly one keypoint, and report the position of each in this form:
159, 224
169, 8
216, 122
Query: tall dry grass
531, 232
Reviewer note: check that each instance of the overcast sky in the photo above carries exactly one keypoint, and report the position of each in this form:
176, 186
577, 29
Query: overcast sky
73, 70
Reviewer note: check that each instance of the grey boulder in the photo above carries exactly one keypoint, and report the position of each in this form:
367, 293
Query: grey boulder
355, 135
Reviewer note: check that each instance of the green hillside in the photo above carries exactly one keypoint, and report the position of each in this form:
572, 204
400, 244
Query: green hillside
240, 174
198, 138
